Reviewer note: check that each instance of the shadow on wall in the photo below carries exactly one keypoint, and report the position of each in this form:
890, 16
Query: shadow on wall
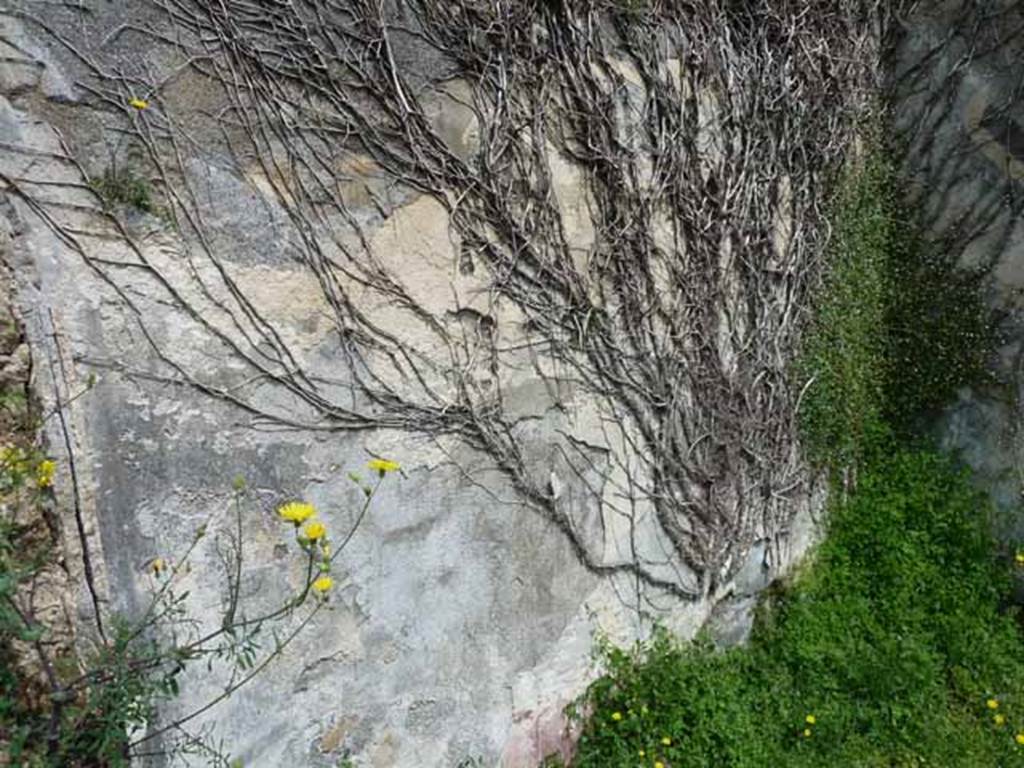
957, 72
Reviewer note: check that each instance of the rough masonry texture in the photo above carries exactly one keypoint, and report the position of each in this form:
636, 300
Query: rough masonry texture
552, 259
956, 88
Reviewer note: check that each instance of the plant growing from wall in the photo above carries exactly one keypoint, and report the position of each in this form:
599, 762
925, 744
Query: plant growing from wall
941, 334
122, 186
898, 327
101, 706
843, 359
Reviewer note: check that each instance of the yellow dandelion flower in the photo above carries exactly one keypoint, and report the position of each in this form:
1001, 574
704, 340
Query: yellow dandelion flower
666, 741
323, 583
382, 465
659, 764
810, 720
616, 716
1019, 738
1020, 558
641, 753
314, 530
992, 704
139, 104
296, 511
999, 719
807, 733
44, 474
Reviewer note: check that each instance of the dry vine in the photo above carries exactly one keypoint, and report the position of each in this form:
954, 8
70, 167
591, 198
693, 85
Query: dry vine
706, 133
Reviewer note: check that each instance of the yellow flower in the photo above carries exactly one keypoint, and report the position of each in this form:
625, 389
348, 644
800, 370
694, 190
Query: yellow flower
1019, 738
382, 465
1020, 558
999, 719
44, 474
666, 741
314, 530
810, 719
296, 511
659, 764
139, 104
616, 716
807, 733
158, 565
641, 753
992, 704
322, 584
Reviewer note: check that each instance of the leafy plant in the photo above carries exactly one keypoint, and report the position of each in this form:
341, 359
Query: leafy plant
843, 361
104, 710
884, 653
898, 326
122, 186
940, 334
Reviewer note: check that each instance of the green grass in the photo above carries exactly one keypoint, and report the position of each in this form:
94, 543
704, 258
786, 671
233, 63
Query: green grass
893, 640
895, 636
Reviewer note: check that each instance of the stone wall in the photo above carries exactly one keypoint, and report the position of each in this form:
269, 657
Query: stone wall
196, 342
956, 77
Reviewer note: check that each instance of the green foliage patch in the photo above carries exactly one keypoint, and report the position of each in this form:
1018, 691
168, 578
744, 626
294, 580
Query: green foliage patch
843, 361
940, 336
893, 643
124, 187
898, 326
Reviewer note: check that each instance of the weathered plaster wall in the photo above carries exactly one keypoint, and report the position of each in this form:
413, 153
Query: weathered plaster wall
463, 621
459, 618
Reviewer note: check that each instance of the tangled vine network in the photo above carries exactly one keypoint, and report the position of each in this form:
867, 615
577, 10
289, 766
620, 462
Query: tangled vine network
704, 136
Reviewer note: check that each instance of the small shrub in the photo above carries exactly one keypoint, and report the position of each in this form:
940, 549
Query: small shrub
940, 334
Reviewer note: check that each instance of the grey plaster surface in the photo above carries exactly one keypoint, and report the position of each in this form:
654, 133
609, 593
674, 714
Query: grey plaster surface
462, 621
